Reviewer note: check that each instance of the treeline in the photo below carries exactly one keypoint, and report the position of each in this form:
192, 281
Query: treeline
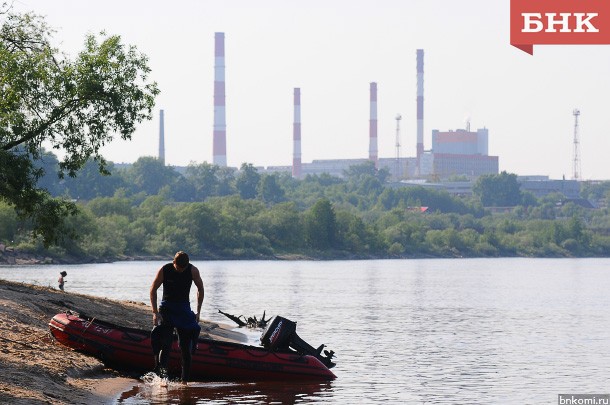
212, 212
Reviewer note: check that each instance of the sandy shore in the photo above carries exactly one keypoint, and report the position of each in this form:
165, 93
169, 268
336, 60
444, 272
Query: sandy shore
35, 369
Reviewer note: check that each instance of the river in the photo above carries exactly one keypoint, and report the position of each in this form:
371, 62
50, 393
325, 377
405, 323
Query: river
455, 331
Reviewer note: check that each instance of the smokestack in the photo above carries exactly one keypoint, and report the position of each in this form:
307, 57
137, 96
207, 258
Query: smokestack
420, 108
296, 135
373, 156
220, 124
161, 138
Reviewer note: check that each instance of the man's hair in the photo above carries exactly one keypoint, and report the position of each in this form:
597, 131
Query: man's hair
181, 259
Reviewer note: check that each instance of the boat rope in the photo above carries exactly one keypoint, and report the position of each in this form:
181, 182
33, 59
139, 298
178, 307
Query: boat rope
82, 335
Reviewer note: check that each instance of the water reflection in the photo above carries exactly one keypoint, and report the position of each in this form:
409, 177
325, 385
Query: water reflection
227, 393
296, 287
215, 284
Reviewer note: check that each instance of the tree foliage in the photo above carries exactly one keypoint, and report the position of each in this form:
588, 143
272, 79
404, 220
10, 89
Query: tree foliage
498, 190
247, 181
322, 216
150, 175
269, 189
75, 105
321, 225
204, 177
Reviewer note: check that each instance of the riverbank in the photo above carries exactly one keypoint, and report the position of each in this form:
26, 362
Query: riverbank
13, 256
36, 369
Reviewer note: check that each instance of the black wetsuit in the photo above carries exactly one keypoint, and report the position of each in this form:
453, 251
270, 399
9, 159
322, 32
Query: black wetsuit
176, 290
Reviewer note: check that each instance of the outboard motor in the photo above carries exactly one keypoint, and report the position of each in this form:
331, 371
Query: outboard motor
280, 334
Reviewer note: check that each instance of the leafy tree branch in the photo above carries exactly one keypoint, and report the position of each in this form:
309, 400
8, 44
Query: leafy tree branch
75, 105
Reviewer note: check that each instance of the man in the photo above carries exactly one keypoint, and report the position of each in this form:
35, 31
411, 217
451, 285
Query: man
175, 312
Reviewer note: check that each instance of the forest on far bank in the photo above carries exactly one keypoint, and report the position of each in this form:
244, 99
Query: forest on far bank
149, 209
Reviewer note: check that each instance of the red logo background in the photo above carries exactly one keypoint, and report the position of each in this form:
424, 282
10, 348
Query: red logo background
526, 40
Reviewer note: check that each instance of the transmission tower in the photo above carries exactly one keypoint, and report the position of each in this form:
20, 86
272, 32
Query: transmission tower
398, 174
576, 162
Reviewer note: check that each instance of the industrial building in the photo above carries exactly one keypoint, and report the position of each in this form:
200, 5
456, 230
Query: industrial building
540, 186
458, 152
462, 153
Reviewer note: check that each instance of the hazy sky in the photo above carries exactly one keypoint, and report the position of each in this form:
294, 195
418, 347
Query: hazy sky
332, 50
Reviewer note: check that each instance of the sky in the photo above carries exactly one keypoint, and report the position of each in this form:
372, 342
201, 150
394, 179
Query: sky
332, 50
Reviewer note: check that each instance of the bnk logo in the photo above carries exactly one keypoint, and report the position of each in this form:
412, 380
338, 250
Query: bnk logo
532, 22
559, 22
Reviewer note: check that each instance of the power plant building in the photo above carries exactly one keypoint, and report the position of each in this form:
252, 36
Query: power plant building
462, 152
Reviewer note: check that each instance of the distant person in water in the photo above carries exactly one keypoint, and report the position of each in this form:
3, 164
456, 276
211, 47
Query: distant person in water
61, 280
175, 312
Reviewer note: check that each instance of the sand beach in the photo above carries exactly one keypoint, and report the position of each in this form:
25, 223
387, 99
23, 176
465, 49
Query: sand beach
35, 369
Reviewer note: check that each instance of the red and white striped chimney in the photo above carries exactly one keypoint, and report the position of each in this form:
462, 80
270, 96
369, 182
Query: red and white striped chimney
220, 124
373, 155
296, 135
420, 108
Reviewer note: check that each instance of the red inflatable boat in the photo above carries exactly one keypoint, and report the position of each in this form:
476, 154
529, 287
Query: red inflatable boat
284, 357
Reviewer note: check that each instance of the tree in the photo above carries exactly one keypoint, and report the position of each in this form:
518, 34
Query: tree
202, 224
281, 225
49, 181
321, 225
356, 173
247, 181
8, 223
366, 178
74, 105
226, 178
352, 233
204, 179
498, 190
106, 206
90, 183
150, 174
269, 189
18, 178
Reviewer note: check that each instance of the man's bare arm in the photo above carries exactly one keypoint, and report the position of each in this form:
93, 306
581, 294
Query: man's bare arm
153, 295
200, 290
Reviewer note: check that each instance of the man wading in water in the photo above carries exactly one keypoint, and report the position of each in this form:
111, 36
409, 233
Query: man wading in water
175, 312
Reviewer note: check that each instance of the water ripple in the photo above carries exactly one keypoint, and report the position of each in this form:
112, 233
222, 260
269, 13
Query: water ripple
404, 331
